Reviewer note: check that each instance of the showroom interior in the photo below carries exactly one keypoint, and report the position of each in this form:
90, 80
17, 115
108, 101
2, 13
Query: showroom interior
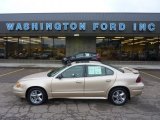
109, 48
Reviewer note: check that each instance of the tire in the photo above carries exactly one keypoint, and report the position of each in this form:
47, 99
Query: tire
36, 96
118, 96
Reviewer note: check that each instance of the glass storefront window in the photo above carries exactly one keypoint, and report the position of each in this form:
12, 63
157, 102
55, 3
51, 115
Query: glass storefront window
24, 47
47, 44
158, 48
36, 47
152, 48
2, 48
109, 48
138, 48
59, 47
12, 47
128, 48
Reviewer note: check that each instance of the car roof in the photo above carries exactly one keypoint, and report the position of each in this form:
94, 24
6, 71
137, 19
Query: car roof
86, 62
85, 52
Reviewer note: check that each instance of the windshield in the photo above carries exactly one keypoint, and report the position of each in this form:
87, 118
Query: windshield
55, 71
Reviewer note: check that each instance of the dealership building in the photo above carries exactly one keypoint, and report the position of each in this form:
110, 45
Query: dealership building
115, 36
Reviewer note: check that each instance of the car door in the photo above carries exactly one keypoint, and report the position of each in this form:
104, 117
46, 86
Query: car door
97, 81
69, 83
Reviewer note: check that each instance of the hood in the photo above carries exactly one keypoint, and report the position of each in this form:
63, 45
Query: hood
35, 76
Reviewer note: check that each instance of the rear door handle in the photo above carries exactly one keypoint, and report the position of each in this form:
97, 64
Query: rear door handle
108, 80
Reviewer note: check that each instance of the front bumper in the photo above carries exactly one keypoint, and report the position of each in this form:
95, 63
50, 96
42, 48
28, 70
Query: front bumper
19, 92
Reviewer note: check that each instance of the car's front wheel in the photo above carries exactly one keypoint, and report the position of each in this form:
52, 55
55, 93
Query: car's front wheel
118, 96
36, 96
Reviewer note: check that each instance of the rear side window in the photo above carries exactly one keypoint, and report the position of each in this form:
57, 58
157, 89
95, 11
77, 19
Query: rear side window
96, 70
93, 54
87, 54
109, 71
80, 55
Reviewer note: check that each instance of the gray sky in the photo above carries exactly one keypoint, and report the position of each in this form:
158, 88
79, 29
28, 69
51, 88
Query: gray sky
44, 6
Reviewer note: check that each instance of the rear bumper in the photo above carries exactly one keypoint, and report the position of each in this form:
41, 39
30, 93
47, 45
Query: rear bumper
136, 90
136, 93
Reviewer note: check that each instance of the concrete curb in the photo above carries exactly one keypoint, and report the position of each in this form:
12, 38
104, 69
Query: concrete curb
30, 65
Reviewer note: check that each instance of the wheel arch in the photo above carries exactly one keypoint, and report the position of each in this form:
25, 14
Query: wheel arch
124, 87
35, 87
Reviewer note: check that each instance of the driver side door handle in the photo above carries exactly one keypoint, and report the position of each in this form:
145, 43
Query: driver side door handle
108, 80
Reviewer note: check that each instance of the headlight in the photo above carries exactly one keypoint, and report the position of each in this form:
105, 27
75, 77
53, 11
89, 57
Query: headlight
64, 58
18, 84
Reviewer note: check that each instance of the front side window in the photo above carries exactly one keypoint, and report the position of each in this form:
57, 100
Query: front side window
87, 55
73, 72
96, 70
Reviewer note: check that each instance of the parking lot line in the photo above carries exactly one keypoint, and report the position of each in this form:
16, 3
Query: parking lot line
150, 75
11, 72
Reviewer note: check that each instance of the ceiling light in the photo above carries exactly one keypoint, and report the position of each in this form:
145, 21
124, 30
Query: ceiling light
100, 37
76, 34
118, 37
61, 37
138, 37
24, 37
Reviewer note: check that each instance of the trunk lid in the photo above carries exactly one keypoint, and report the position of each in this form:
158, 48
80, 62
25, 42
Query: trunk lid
129, 70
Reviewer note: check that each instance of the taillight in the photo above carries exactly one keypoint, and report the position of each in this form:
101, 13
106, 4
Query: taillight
139, 79
98, 56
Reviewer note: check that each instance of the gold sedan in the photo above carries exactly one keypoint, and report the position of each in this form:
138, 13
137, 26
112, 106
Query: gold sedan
81, 80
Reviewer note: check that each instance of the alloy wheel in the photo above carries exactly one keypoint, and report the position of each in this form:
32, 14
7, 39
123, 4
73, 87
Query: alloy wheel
119, 97
36, 96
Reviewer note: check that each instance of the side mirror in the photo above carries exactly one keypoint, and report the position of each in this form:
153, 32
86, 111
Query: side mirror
60, 76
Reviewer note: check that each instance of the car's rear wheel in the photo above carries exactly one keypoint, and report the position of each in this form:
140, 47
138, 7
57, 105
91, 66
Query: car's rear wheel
36, 96
118, 96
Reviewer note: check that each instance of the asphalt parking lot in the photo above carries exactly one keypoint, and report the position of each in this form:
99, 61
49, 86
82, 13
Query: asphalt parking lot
145, 107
